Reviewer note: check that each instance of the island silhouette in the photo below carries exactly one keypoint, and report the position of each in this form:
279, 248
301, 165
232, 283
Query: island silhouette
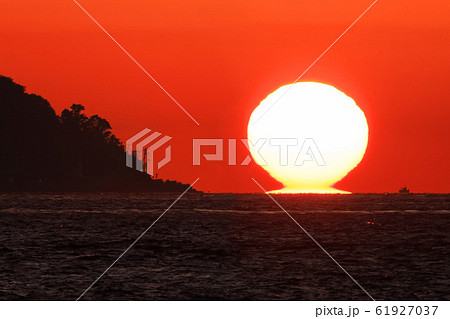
43, 151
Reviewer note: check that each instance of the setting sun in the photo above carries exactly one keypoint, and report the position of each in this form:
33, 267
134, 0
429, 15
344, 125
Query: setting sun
308, 136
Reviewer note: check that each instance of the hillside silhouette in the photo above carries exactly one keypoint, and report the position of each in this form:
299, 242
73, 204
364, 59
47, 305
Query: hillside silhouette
41, 151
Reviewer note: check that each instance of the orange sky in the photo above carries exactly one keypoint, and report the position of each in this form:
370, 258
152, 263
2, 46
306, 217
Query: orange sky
219, 59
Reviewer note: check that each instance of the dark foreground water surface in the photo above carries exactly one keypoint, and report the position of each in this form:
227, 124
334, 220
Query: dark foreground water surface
224, 246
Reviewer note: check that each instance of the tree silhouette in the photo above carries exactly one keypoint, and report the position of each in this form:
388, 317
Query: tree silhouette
90, 147
28, 134
73, 151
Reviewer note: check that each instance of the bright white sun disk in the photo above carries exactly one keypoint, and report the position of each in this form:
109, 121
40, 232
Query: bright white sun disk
325, 123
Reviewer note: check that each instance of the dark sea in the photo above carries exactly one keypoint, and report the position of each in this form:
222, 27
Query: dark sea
224, 247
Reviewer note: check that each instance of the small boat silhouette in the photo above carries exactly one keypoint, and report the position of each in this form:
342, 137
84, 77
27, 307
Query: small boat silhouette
403, 190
